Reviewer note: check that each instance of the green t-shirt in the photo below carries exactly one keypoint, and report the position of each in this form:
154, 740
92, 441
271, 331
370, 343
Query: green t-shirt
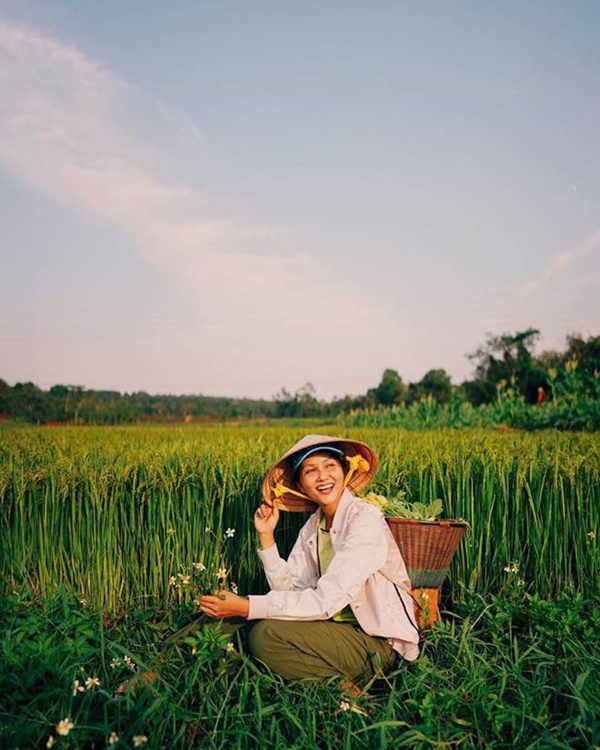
326, 555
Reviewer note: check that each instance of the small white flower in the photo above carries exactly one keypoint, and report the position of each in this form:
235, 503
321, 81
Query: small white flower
115, 663
92, 682
198, 566
231, 648
51, 741
222, 573
512, 568
184, 579
344, 706
77, 688
139, 740
173, 581
591, 535
230, 533
113, 739
130, 663
64, 727
234, 588
520, 582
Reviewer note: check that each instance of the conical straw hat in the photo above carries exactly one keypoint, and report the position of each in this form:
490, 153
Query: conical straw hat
279, 486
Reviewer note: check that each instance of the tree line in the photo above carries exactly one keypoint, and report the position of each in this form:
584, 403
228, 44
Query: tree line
504, 361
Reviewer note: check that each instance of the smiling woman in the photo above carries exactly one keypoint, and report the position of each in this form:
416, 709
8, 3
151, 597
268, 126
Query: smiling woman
340, 605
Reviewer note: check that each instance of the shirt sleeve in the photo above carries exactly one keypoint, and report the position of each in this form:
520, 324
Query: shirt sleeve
297, 572
361, 554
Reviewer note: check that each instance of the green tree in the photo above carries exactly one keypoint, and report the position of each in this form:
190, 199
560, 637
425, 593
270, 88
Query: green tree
30, 403
5, 398
507, 358
391, 390
435, 384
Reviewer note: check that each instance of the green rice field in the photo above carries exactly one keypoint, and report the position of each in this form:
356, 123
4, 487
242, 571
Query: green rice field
104, 531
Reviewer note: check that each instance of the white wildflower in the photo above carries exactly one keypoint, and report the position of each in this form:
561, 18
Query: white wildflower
92, 682
139, 740
230, 533
64, 727
113, 739
77, 687
222, 573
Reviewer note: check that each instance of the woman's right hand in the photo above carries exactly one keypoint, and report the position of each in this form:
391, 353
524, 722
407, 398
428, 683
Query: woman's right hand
266, 519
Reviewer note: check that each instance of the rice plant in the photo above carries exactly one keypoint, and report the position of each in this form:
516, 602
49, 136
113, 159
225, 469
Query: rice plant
116, 514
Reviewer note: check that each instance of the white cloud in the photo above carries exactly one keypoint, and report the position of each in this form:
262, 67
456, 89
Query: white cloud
559, 263
66, 128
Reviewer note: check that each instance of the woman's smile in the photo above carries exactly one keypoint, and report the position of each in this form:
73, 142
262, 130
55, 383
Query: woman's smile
321, 478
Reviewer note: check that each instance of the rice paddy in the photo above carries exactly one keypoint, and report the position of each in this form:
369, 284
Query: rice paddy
115, 529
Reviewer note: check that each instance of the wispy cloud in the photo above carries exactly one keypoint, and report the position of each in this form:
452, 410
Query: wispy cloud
559, 263
66, 128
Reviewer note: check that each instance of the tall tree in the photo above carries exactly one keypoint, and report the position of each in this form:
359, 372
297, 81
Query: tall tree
436, 384
390, 391
506, 358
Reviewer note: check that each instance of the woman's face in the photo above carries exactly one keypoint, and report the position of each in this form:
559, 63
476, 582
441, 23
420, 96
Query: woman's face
321, 478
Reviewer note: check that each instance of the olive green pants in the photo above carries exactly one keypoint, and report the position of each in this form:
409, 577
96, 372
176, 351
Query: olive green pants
317, 649
306, 650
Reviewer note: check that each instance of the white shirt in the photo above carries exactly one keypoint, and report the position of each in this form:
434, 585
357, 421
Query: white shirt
367, 572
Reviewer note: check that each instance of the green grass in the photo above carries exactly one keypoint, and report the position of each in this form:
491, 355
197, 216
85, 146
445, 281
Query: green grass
509, 671
114, 513
97, 524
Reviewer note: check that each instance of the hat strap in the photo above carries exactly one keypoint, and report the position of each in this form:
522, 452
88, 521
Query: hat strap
355, 463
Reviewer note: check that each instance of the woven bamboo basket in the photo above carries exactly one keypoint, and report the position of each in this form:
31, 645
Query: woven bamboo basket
427, 548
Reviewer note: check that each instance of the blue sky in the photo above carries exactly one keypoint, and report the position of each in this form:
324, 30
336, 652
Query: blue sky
231, 197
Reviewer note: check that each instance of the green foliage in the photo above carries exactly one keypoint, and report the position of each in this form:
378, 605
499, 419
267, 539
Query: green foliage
511, 670
573, 404
506, 362
101, 528
115, 515
398, 507
435, 386
391, 390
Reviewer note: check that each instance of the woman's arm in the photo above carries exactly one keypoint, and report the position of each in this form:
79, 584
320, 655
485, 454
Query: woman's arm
266, 519
363, 551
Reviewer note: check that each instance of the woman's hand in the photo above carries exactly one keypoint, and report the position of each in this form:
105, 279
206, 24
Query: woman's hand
224, 604
266, 519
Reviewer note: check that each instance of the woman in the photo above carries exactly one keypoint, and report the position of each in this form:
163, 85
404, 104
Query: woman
340, 605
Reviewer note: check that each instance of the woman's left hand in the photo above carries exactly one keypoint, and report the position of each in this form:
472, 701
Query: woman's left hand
224, 604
